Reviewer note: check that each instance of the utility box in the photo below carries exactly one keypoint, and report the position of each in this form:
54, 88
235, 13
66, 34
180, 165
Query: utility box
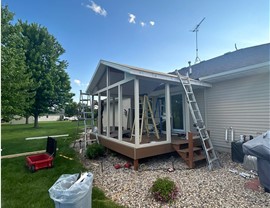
72, 191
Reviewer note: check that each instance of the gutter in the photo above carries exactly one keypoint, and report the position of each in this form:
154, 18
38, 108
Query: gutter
235, 71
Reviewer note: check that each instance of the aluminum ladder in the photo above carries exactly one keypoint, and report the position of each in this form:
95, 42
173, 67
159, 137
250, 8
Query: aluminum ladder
86, 117
208, 147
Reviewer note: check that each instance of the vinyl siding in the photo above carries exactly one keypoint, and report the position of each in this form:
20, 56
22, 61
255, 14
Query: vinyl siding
242, 104
199, 95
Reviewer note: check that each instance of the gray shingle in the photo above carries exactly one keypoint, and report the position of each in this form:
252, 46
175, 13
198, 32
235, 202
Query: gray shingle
230, 61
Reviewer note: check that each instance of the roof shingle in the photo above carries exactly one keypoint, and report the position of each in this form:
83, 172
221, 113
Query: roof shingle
230, 61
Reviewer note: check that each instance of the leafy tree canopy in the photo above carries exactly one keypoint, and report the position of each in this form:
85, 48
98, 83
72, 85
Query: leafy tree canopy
33, 75
42, 52
15, 80
71, 109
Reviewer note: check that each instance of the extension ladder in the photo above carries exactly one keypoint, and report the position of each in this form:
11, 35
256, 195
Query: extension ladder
208, 147
86, 117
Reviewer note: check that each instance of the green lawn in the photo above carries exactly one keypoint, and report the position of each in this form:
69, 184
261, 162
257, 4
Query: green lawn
20, 188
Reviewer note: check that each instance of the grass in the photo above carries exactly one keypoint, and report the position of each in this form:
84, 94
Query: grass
20, 187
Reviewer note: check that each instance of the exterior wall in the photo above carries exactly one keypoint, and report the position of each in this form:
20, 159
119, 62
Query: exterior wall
126, 106
242, 104
199, 95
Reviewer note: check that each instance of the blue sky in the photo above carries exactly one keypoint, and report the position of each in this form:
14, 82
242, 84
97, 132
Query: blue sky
152, 34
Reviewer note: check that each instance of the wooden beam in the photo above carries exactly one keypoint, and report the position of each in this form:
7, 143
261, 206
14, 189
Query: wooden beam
190, 150
136, 164
23, 154
44, 137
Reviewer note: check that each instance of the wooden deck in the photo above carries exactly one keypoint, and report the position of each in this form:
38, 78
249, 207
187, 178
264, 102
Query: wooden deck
143, 152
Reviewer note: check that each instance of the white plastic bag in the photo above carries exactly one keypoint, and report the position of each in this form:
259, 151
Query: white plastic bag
66, 193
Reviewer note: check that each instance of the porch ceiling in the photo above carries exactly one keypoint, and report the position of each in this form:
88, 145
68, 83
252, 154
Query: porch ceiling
149, 79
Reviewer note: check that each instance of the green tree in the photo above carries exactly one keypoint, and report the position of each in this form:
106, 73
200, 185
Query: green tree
42, 52
71, 109
15, 79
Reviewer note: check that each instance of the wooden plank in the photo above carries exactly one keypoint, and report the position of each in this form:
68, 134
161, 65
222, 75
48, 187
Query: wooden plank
44, 137
23, 154
188, 149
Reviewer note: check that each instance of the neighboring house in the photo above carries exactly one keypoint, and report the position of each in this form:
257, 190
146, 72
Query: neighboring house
49, 117
231, 90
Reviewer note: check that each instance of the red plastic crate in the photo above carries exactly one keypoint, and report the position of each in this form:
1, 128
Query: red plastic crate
36, 162
45, 160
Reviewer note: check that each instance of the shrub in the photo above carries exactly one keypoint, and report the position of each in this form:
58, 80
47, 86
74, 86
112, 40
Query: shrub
164, 190
95, 150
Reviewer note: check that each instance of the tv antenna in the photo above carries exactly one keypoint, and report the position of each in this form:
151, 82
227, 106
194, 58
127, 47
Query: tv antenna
196, 29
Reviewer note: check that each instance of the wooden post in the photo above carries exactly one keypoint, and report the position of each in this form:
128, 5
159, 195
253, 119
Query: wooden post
136, 164
190, 150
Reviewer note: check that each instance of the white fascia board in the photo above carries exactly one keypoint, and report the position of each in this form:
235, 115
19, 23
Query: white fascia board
141, 72
199, 83
168, 77
145, 73
235, 71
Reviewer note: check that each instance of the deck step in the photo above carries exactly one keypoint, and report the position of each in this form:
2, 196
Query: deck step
198, 157
187, 150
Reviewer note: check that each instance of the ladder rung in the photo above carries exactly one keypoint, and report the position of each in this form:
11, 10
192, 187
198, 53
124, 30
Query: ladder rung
205, 138
209, 149
212, 160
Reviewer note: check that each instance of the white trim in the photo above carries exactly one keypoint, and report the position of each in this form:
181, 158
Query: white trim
120, 110
168, 112
116, 84
239, 70
133, 145
92, 111
153, 144
187, 115
108, 113
136, 106
143, 73
99, 113
117, 141
113, 113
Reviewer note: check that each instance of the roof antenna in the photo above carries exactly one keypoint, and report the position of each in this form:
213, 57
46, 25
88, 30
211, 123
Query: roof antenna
196, 29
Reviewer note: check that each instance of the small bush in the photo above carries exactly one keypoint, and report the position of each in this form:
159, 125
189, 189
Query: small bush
95, 150
164, 190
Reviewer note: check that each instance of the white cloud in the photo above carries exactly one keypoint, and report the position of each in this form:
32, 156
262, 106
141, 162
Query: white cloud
96, 8
142, 24
131, 18
77, 82
152, 23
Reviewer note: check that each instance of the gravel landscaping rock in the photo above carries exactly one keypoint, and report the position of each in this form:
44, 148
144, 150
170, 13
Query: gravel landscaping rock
197, 187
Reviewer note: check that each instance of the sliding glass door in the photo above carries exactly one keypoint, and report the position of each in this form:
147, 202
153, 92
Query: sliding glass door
177, 112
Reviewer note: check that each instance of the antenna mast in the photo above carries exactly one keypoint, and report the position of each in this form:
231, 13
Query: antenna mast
197, 59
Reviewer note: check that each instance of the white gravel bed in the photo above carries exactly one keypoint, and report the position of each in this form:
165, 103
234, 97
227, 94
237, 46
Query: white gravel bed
198, 187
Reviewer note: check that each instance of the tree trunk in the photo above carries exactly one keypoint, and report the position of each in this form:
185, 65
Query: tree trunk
26, 119
36, 121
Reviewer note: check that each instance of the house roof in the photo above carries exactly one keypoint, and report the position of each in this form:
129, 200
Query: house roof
252, 56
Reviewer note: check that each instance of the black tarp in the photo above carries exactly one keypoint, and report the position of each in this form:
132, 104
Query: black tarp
260, 148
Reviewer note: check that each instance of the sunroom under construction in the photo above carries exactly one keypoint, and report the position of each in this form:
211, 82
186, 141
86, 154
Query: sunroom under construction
143, 113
